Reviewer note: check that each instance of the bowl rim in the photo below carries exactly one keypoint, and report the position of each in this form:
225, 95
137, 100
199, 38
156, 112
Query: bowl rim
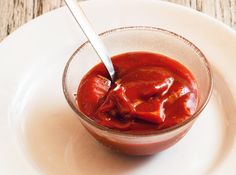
149, 133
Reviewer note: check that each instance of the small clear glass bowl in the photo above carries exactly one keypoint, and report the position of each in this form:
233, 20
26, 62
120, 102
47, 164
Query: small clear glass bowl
129, 39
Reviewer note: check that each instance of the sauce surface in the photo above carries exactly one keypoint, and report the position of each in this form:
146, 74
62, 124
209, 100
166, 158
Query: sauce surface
151, 92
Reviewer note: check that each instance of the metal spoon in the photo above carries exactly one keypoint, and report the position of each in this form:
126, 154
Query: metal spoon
94, 39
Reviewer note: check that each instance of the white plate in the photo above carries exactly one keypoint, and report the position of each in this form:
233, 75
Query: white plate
38, 130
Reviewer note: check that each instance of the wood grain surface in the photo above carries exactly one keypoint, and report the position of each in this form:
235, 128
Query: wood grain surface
14, 13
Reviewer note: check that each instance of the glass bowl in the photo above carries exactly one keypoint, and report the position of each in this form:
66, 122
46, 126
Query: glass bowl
129, 39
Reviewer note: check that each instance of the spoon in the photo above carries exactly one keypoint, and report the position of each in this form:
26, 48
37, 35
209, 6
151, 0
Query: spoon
94, 39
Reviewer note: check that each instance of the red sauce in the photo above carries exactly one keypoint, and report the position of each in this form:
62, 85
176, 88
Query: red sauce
151, 92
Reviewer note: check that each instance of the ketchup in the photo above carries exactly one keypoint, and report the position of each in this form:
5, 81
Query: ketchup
151, 92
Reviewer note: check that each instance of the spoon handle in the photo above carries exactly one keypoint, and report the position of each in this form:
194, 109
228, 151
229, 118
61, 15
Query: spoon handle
94, 39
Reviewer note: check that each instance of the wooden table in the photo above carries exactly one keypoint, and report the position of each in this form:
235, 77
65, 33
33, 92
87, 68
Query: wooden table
14, 13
